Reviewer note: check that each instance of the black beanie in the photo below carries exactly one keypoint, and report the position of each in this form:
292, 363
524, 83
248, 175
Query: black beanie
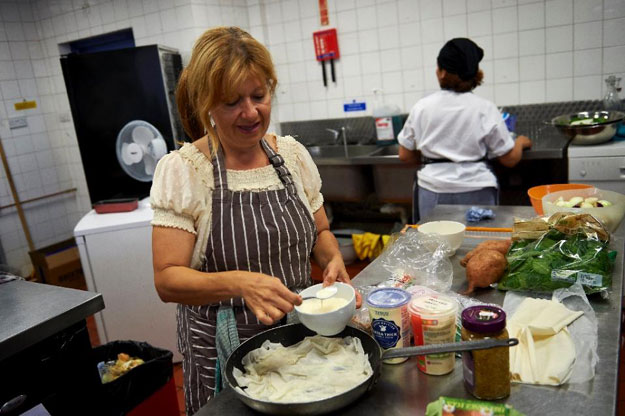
460, 56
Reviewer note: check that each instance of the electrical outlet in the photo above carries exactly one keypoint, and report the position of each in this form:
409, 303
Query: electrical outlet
17, 122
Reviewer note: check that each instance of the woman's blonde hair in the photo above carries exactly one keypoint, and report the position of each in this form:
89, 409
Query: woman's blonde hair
221, 60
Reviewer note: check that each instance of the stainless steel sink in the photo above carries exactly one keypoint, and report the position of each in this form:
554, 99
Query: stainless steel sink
338, 151
364, 170
392, 150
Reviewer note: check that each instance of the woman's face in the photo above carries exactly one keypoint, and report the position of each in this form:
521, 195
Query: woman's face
242, 119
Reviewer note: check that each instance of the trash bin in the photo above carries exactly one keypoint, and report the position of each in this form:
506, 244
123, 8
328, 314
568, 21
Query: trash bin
147, 389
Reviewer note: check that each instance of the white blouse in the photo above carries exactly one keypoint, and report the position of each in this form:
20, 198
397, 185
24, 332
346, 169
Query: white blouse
461, 127
182, 188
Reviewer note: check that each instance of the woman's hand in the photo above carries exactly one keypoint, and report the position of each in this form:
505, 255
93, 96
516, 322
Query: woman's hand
335, 272
267, 297
515, 155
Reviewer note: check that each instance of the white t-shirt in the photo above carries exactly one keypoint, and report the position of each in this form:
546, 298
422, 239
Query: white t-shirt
461, 127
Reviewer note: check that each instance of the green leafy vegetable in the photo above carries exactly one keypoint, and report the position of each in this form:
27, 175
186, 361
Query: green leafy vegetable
558, 260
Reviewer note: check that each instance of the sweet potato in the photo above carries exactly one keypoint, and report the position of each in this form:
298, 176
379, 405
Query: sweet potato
501, 246
484, 268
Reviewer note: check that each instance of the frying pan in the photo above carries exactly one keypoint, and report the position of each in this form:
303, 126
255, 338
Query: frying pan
292, 334
594, 133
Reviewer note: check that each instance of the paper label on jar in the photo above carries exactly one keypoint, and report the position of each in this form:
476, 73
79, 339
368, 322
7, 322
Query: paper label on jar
386, 332
391, 329
468, 370
434, 331
384, 128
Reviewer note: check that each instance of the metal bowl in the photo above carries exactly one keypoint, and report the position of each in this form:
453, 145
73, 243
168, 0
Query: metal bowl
601, 130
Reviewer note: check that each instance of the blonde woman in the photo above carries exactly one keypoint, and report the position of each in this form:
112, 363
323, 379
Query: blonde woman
237, 212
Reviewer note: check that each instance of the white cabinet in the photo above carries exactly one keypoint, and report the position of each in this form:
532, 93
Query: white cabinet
116, 256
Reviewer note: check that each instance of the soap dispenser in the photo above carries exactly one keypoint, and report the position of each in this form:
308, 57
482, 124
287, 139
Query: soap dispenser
612, 101
387, 120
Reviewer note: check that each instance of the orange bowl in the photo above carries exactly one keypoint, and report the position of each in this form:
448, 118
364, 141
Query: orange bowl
536, 193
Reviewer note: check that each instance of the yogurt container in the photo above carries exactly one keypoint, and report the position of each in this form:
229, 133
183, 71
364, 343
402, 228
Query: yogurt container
390, 321
433, 319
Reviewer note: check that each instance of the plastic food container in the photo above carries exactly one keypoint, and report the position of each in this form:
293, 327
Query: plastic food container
390, 322
433, 319
610, 216
536, 193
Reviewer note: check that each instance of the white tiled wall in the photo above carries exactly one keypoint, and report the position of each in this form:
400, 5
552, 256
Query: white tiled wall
44, 157
535, 51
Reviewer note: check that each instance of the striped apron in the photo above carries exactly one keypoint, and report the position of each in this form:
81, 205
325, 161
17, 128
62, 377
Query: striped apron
269, 232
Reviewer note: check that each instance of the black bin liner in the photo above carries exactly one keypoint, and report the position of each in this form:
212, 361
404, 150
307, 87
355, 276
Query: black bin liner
123, 394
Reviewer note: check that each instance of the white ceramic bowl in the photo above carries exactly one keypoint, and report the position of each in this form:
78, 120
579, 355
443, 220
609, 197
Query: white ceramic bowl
450, 231
330, 323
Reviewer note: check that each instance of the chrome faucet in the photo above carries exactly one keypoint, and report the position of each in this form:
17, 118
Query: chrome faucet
340, 134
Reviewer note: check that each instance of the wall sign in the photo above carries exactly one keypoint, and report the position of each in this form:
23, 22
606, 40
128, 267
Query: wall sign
25, 105
323, 12
354, 106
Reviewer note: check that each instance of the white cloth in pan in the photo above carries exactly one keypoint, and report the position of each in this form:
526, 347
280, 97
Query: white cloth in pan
546, 352
316, 368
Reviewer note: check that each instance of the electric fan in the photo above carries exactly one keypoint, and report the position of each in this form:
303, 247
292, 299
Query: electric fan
139, 147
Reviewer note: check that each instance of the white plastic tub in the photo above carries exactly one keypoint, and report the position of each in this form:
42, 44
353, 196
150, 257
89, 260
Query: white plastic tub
610, 216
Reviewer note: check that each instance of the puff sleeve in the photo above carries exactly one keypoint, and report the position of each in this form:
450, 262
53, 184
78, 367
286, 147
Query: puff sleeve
176, 195
309, 175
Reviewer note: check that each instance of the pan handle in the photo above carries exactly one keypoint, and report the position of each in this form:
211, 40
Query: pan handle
482, 344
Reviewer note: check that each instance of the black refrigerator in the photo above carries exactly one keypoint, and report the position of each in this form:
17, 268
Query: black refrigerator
107, 90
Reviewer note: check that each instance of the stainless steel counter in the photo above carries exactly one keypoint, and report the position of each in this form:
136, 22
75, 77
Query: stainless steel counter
45, 351
370, 169
32, 312
547, 143
404, 390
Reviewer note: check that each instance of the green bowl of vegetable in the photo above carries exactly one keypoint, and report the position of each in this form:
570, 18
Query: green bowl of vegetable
589, 127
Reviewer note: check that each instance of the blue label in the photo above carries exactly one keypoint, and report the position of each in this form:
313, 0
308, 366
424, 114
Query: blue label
355, 106
387, 333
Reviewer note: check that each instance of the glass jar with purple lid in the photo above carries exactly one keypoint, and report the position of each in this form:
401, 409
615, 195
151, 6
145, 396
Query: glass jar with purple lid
486, 372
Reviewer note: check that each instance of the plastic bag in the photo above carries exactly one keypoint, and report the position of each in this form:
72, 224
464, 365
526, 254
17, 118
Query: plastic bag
573, 249
583, 330
418, 259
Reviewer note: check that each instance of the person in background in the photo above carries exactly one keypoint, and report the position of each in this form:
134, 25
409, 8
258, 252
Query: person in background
454, 133
237, 212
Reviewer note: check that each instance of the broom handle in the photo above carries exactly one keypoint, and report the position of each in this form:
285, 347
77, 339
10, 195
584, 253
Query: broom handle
16, 199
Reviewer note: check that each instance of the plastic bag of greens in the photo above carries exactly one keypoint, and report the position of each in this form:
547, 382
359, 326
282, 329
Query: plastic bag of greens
573, 248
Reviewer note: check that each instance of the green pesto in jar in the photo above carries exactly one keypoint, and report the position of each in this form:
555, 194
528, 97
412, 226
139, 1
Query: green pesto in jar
486, 372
